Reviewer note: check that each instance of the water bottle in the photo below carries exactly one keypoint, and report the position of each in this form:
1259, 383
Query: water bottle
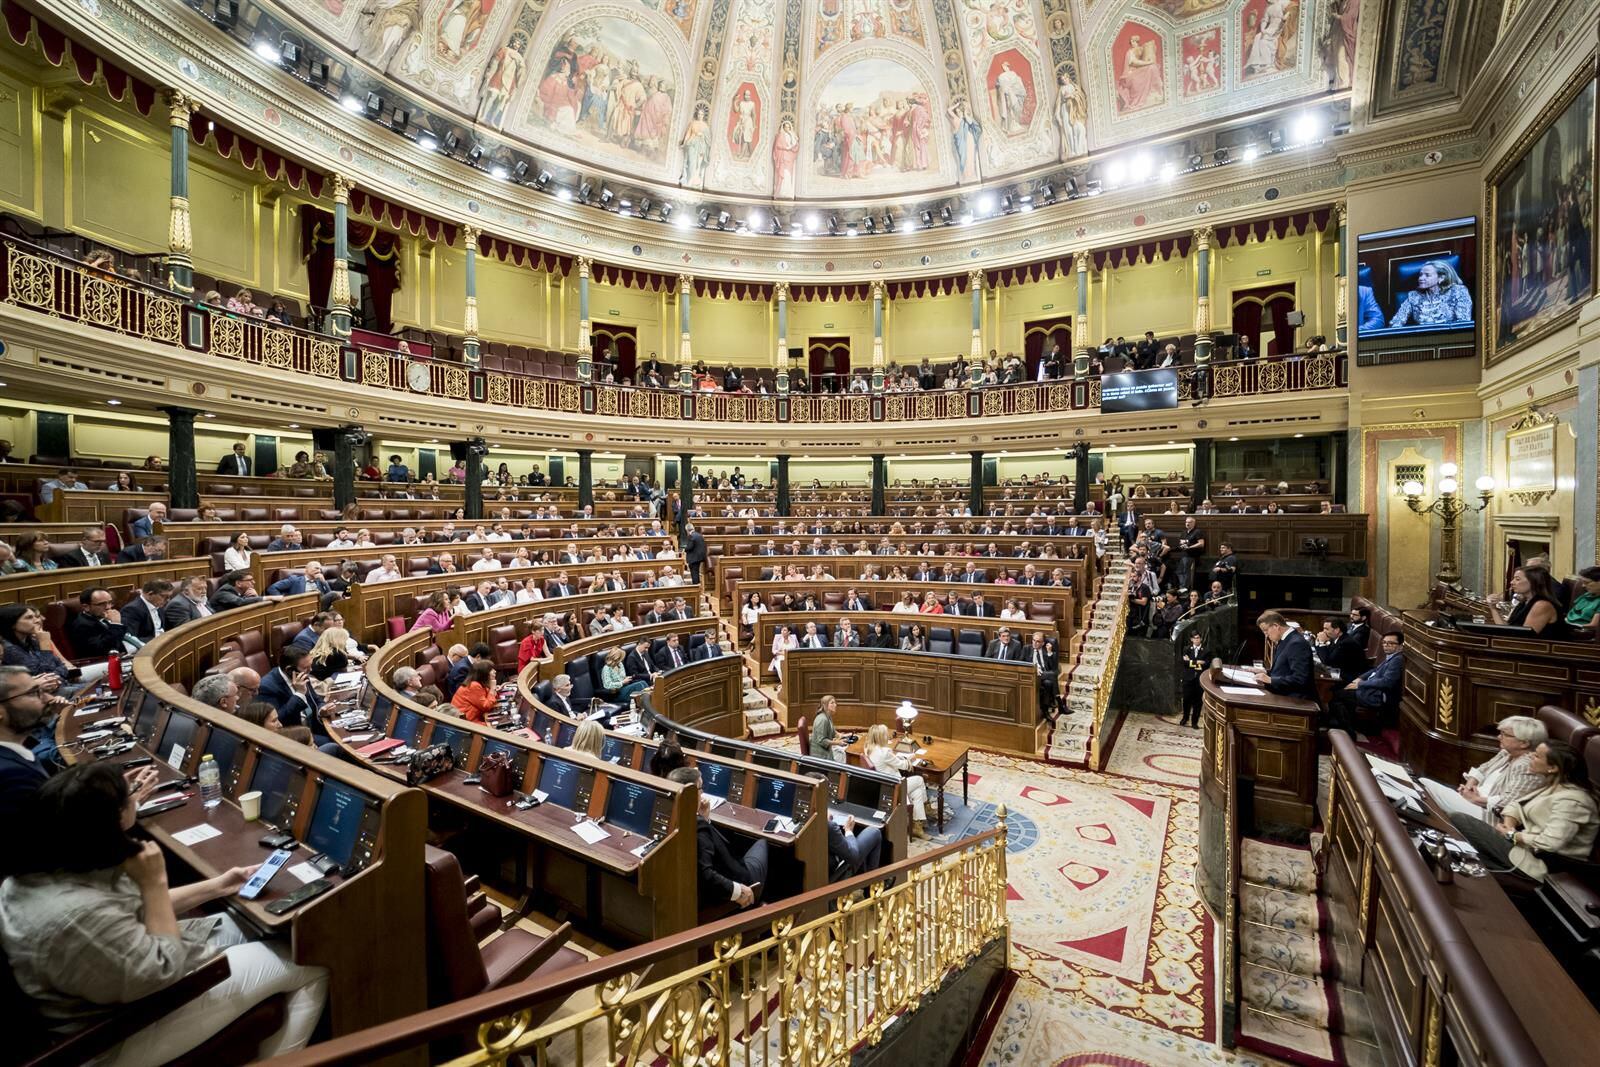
114, 672
210, 782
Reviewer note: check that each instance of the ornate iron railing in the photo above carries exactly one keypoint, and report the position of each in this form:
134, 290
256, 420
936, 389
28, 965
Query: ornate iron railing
803, 981
43, 281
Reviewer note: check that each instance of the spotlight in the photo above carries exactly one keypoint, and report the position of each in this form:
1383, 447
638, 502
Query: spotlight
474, 154
520, 171
812, 222
1220, 156
318, 73
451, 142
927, 218
267, 51
986, 203
1005, 204
1250, 153
289, 54
705, 215
683, 222
584, 190
944, 214
1169, 171
667, 209
1196, 161
966, 218
888, 222
1142, 167
869, 224
1275, 139
623, 205
1116, 172
543, 179
850, 231
755, 220
1072, 191
351, 104
428, 142
723, 218
400, 120
833, 225
499, 173
605, 196
644, 206
227, 13
374, 105
777, 227
563, 193
1093, 188
1307, 127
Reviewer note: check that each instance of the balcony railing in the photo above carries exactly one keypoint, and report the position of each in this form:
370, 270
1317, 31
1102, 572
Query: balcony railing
53, 285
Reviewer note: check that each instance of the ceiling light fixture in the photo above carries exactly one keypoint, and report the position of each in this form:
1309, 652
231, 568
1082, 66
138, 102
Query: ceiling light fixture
351, 104
428, 142
986, 203
1307, 127
374, 105
474, 154
755, 220
288, 54
1116, 172
318, 73
1142, 167
451, 142
563, 193
584, 190
267, 51
499, 173
400, 120
543, 179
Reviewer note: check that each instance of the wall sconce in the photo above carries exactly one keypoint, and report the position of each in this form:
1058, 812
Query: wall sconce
1449, 505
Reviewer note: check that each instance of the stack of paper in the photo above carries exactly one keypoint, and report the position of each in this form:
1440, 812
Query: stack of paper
1239, 674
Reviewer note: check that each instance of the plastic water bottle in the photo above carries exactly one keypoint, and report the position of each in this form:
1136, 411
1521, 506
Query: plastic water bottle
210, 782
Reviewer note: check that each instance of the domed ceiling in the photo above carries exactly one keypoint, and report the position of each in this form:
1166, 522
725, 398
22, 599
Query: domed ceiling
839, 99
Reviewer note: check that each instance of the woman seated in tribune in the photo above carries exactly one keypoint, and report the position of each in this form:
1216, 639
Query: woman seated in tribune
89, 922
1546, 828
1438, 300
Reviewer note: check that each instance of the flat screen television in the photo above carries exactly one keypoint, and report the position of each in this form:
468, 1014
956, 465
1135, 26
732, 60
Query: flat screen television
775, 795
630, 806
1417, 279
1139, 390
558, 780
336, 821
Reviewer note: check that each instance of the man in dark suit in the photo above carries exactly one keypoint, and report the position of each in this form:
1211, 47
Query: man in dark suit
23, 708
637, 662
814, 637
142, 614
146, 551
768, 549
1291, 674
846, 635
1046, 672
679, 611
145, 525
90, 552
309, 580
694, 552
235, 462
980, 608
1335, 649
187, 604
855, 849
1031, 576
671, 655
562, 586
854, 602
1377, 690
97, 629
288, 688
710, 648
1004, 646
722, 875
236, 590
971, 575
1360, 627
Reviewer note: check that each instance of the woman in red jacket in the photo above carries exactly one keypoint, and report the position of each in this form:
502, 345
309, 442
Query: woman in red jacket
475, 699
532, 648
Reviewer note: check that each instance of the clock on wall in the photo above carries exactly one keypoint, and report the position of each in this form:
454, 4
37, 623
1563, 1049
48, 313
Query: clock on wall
418, 377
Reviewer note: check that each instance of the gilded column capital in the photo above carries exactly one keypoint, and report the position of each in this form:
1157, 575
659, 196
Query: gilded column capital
469, 237
879, 290
341, 189
1341, 211
975, 280
1203, 236
686, 284
585, 265
180, 106
1080, 262
780, 292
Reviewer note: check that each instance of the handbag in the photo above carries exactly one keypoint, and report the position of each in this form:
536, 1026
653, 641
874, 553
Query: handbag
494, 774
429, 763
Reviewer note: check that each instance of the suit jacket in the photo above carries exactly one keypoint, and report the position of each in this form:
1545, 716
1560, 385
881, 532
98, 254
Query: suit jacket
1345, 656
136, 616
855, 603
1014, 650
294, 709
20, 780
179, 610
1052, 662
1291, 673
850, 640
982, 611
560, 589
1380, 687
821, 638
133, 554
694, 550
638, 668
79, 558
294, 585
705, 651
456, 676
141, 528
92, 637
973, 577
1558, 819
663, 658
718, 867
226, 598
234, 464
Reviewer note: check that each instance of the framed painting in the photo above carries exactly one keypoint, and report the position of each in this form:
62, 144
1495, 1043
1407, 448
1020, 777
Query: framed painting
1540, 205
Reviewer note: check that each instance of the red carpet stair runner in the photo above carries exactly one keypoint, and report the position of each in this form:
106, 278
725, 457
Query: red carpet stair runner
1294, 1005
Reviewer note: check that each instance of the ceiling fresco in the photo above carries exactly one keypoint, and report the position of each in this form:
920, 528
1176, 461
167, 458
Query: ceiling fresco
840, 99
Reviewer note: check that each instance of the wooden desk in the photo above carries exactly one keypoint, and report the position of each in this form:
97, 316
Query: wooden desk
938, 762
1276, 738
977, 701
1453, 972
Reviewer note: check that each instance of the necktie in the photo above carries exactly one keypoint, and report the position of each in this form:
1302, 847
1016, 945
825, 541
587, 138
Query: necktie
1038, 662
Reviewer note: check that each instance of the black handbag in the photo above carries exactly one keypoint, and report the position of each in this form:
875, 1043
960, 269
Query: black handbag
430, 763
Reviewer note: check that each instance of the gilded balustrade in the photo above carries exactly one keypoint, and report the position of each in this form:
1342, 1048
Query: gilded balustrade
42, 281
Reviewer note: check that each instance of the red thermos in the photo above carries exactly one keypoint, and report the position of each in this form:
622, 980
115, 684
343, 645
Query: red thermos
114, 671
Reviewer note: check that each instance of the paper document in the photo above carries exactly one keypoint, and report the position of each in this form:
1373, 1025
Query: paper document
1239, 691
716, 802
590, 832
1451, 801
1389, 767
1239, 674
306, 872
196, 834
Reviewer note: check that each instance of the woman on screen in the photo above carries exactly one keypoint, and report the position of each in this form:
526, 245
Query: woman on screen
1439, 299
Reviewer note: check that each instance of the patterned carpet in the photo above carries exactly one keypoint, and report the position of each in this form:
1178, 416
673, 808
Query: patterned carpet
1148, 746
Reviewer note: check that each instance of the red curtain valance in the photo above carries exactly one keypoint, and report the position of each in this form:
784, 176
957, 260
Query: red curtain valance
232, 145
717, 289
859, 291
415, 223
86, 63
921, 288
522, 255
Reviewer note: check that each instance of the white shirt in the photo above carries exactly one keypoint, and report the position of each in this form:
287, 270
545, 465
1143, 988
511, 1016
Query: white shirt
155, 614
341, 542
1012, 613
902, 608
382, 575
490, 564
234, 560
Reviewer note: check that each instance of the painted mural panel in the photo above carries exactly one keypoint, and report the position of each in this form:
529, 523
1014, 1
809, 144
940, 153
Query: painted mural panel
1200, 60
873, 119
1184, 9
844, 21
740, 154
1072, 117
1338, 44
1141, 77
1269, 37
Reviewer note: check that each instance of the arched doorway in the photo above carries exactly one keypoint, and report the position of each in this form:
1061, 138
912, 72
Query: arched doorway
1265, 310
828, 364
1039, 335
615, 349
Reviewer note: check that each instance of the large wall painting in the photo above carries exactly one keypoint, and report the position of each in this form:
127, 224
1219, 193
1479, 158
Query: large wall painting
1139, 68
451, 45
1541, 203
872, 121
845, 21
1269, 34
1200, 62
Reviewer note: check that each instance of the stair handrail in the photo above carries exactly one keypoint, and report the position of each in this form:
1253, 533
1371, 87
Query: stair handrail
810, 977
1108, 674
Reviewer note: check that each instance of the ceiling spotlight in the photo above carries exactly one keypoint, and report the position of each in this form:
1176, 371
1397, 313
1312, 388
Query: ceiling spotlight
723, 218
1250, 154
869, 224
683, 222
1307, 127
451, 142
1169, 171
227, 13
427, 142
474, 154
1142, 167
927, 218
584, 190
499, 173
1005, 204
374, 105
563, 193
543, 179
1092, 188
833, 225
850, 231
1220, 156
267, 51
351, 103
288, 54
606, 196
667, 209
318, 73
1196, 161
986, 203
755, 220
644, 206
944, 214
966, 218
1116, 172
520, 171
1275, 140
705, 215
888, 222
623, 205
777, 227
1072, 191
400, 119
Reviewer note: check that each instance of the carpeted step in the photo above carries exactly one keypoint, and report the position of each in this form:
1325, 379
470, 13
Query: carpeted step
764, 729
1298, 997
1284, 1038
1294, 951
1266, 863
1278, 907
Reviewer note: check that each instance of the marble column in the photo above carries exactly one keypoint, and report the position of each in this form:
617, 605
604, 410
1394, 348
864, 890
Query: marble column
344, 469
183, 490
585, 355
1080, 475
470, 317
685, 344
880, 477
472, 501
339, 316
1202, 302
975, 490
1341, 298
975, 284
180, 236
877, 336
585, 478
785, 505
1080, 324
781, 293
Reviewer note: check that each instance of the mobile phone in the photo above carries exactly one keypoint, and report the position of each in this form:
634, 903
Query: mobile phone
137, 761
264, 873
309, 891
286, 842
156, 807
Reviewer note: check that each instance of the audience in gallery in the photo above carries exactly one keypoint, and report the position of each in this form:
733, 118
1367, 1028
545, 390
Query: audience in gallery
88, 920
